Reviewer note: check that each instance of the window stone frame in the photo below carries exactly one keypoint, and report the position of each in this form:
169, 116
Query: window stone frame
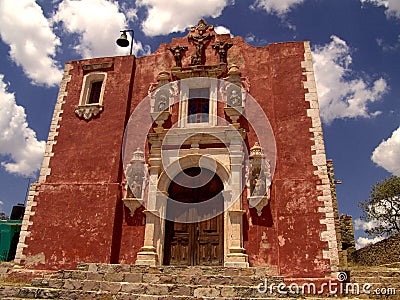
89, 110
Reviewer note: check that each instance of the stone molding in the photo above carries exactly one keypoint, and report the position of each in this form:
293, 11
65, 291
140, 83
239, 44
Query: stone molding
93, 67
319, 161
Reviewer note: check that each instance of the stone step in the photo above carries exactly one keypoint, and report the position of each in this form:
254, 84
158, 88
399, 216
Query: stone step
172, 270
183, 289
158, 278
375, 273
200, 293
378, 279
150, 297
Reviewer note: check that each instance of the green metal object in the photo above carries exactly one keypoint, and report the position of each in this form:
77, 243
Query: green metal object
9, 235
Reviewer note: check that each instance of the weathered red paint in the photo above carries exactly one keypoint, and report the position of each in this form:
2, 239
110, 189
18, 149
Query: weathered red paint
80, 215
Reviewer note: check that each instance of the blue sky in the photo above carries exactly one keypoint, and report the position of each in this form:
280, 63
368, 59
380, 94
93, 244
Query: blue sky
356, 52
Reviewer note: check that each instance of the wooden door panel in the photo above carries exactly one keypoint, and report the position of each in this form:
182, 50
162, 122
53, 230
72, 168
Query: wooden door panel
210, 241
180, 253
195, 243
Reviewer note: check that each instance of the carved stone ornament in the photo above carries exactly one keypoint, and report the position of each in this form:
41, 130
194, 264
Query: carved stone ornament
162, 78
234, 75
258, 203
222, 49
259, 179
132, 204
88, 111
135, 175
234, 96
200, 40
201, 26
160, 111
178, 51
234, 114
161, 102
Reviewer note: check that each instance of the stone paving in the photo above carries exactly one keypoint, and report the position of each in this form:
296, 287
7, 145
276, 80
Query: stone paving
107, 281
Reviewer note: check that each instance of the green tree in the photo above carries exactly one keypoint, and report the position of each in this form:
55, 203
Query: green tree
382, 208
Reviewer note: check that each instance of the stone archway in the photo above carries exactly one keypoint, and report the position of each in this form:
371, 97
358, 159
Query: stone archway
229, 173
196, 242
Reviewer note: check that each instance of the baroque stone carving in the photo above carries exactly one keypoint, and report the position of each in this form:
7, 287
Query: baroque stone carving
222, 49
200, 41
160, 112
161, 102
132, 204
260, 179
177, 51
88, 111
234, 96
135, 175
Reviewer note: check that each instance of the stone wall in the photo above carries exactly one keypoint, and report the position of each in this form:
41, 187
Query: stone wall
332, 185
347, 232
383, 252
347, 243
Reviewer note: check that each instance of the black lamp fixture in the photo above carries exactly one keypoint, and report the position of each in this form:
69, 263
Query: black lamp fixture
123, 39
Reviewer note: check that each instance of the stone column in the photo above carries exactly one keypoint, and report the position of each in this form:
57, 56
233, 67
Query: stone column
235, 256
148, 254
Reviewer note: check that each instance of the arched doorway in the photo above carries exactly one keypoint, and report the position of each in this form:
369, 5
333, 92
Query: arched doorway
195, 243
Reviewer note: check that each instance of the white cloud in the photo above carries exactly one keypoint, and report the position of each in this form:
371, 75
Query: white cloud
20, 150
340, 96
250, 37
388, 47
392, 6
222, 30
279, 7
173, 16
387, 153
363, 241
97, 23
364, 225
32, 42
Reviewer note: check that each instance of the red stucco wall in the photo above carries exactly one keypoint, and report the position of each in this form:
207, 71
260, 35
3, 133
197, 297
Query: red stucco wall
80, 215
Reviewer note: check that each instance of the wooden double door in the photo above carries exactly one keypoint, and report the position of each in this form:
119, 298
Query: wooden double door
196, 243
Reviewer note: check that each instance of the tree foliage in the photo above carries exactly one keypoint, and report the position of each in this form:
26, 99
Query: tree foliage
382, 208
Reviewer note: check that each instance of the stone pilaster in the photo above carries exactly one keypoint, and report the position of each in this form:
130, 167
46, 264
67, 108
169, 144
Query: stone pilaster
235, 256
148, 254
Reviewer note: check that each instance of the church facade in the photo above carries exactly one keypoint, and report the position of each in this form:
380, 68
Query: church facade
208, 151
